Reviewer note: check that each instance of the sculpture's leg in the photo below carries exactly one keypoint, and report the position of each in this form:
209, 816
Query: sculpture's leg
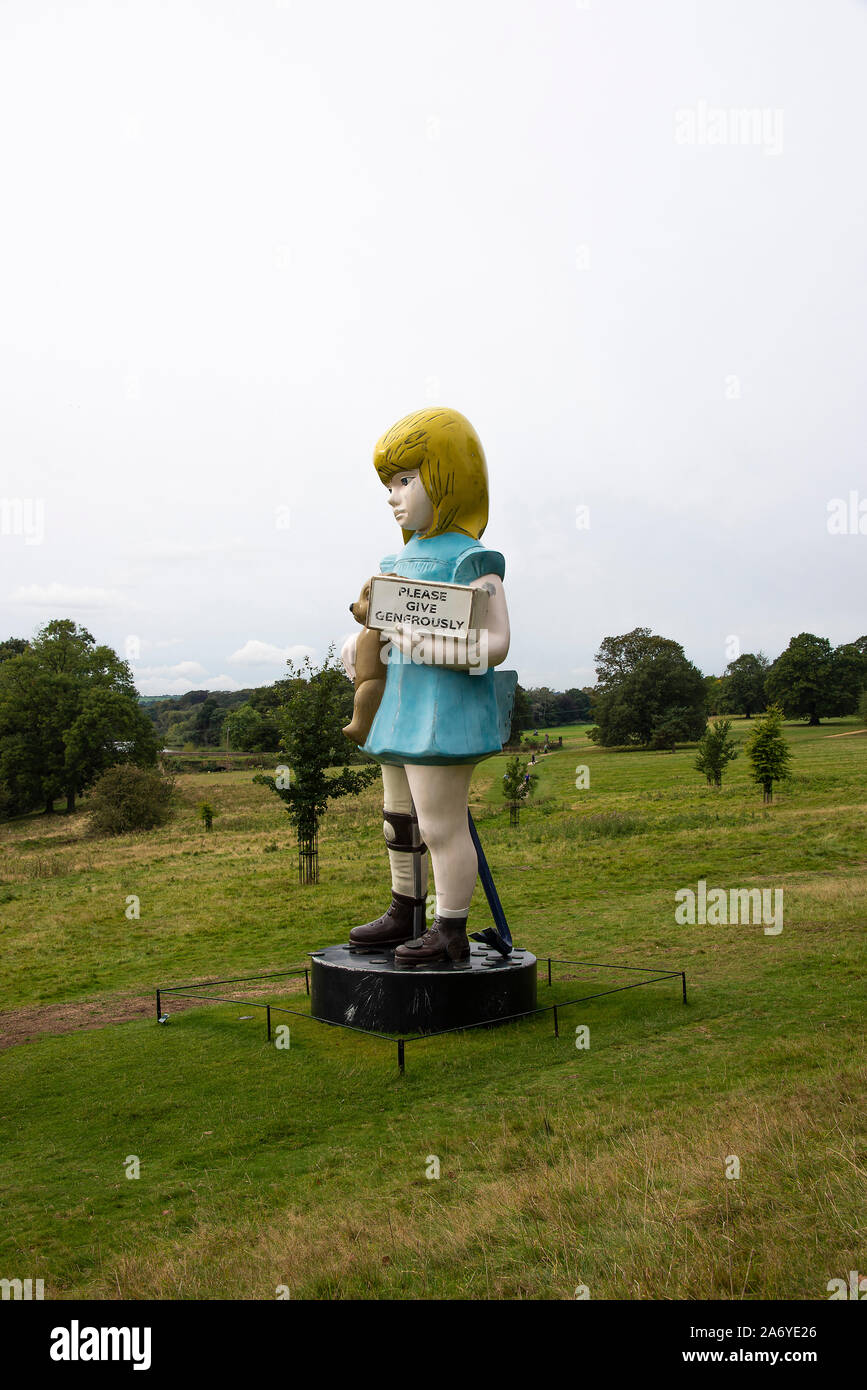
407, 854
440, 795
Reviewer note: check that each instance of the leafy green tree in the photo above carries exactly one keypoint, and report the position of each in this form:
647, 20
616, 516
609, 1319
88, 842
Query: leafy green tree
573, 706
109, 728
13, 646
522, 714
811, 679
658, 702
242, 728
312, 720
206, 729
68, 710
768, 751
862, 707
518, 784
716, 748
714, 693
848, 677
542, 704
745, 684
676, 724
618, 657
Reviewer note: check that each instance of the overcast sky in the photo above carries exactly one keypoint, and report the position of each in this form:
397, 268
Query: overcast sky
240, 239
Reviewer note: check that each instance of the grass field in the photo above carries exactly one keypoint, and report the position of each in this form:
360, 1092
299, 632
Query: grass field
306, 1168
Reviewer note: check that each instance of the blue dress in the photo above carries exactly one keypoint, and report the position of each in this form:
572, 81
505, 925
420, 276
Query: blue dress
429, 714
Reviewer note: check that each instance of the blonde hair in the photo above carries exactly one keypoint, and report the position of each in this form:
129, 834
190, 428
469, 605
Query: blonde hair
448, 454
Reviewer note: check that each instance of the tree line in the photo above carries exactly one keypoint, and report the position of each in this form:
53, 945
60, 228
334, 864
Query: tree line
70, 713
69, 708
649, 694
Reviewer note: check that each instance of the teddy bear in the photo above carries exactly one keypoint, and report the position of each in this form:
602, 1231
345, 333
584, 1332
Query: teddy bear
369, 672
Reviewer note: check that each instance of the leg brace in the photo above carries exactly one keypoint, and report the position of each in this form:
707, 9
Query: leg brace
408, 857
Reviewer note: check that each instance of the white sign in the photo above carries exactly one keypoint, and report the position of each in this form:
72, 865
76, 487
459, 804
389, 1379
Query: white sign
448, 608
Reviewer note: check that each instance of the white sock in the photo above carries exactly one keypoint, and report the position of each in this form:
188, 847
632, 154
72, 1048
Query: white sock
451, 912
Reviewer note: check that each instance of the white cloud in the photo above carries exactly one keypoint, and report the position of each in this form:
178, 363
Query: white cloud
65, 595
179, 685
161, 685
186, 670
255, 653
222, 683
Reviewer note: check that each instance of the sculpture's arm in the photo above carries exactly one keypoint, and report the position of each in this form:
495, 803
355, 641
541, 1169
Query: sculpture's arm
497, 621
462, 653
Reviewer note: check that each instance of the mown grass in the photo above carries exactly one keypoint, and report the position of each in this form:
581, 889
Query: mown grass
306, 1167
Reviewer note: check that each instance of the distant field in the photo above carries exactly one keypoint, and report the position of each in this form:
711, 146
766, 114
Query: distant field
559, 1167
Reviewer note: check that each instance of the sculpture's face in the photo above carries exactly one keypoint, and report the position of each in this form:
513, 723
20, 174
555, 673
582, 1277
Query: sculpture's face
411, 505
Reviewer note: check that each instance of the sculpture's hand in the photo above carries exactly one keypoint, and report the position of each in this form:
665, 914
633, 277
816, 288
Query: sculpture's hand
347, 655
476, 653
433, 649
406, 639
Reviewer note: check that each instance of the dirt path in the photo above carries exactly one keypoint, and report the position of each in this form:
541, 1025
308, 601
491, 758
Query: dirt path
29, 1023
850, 733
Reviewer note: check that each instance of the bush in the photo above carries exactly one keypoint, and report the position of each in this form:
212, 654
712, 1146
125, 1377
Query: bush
127, 798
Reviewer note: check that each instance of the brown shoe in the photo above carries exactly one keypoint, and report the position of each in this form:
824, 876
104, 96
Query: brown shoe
445, 941
392, 928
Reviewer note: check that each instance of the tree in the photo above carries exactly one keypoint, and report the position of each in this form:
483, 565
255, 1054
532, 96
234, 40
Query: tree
618, 657
542, 701
745, 684
848, 677
862, 707
206, 730
522, 714
714, 693
573, 707
658, 702
811, 680
312, 721
68, 710
677, 724
768, 751
518, 784
13, 646
109, 728
716, 748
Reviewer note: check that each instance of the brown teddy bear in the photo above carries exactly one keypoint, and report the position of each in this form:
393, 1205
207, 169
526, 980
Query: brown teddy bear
369, 672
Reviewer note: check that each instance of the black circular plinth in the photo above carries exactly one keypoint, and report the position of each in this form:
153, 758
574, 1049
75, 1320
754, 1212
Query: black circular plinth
372, 993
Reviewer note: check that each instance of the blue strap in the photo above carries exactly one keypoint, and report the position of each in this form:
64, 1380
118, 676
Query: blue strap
499, 935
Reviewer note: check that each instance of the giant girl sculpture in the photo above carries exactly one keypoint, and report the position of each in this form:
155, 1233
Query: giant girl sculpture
442, 707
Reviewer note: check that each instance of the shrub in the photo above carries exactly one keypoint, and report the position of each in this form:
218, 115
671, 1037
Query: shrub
127, 798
